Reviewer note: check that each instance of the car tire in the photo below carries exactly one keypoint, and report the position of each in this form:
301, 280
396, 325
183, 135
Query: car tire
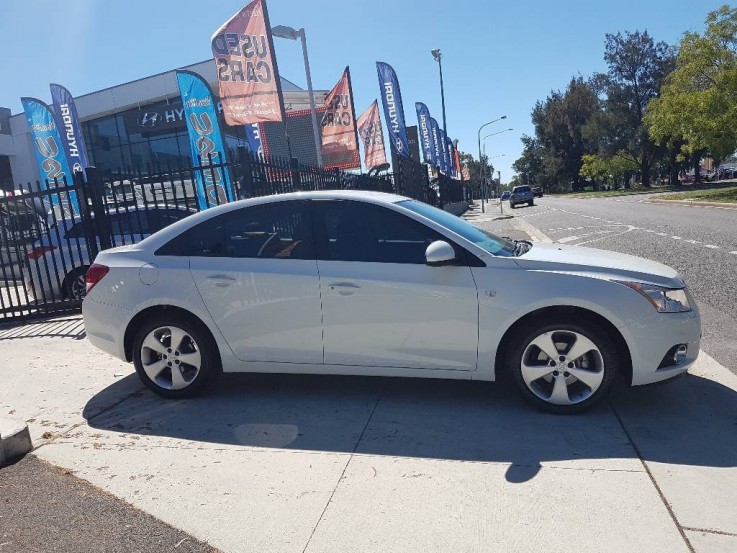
569, 385
511, 205
175, 370
531, 203
74, 286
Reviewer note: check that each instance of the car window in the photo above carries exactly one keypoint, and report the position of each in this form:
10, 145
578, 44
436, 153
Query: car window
129, 224
355, 231
273, 231
482, 238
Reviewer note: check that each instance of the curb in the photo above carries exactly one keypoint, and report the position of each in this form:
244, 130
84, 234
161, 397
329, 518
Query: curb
15, 440
693, 203
532, 231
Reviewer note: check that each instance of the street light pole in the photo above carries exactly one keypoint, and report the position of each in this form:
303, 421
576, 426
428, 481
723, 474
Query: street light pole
283, 31
483, 174
491, 177
439, 58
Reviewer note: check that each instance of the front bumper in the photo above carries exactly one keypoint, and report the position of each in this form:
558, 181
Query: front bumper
651, 338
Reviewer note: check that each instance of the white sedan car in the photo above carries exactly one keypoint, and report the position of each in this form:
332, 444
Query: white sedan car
367, 283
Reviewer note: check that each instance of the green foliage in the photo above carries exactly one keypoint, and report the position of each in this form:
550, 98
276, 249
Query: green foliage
606, 170
698, 106
553, 158
475, 168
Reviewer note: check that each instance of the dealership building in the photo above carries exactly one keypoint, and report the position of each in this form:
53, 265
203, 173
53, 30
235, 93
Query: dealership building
140, 125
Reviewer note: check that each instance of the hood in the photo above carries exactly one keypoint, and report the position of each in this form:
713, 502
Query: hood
597, 263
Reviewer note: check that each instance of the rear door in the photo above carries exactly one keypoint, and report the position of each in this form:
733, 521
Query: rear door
256, 272
382, 305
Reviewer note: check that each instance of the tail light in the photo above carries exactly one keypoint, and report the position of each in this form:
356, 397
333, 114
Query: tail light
40, 251
95, 274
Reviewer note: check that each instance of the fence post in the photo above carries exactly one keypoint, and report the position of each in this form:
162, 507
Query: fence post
246, 180
85, 213
101, 221
296, 176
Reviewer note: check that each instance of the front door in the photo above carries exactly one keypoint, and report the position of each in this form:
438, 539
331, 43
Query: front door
382, 305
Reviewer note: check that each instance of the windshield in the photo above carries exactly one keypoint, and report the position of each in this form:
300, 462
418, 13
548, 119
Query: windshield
490, 242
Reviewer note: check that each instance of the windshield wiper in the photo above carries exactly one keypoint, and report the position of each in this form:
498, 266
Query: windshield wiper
521, 247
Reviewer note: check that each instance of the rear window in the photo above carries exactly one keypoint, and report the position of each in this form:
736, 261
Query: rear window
522, 189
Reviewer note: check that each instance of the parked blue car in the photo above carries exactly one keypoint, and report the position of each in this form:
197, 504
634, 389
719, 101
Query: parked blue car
505, 195
521, 195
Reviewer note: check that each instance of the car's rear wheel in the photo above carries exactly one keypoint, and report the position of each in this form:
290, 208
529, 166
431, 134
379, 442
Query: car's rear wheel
74, 286
531, 203
175, 358
562, 366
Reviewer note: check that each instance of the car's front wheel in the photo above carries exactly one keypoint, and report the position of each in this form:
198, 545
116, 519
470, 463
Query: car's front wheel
175, 358
562, 366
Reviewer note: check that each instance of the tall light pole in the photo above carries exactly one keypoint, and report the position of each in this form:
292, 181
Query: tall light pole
439, 58
480, 160
282, 31
484, 141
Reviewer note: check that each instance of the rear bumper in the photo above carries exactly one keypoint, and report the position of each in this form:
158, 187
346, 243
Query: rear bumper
651, 339
105, 326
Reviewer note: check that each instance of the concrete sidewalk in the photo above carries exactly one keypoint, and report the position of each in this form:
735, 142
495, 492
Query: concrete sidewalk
306, 463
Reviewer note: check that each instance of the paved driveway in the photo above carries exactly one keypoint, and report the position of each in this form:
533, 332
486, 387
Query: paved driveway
301, 463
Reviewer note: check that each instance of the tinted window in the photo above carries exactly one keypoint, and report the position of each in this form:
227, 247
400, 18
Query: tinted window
353, 231
484, 239
280, 230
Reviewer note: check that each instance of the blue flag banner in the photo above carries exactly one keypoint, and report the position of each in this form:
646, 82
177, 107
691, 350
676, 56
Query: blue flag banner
213, 186
451, 160
391, 97
52, 162
437, 150
445, 166
67, 121
424, 130
253, 134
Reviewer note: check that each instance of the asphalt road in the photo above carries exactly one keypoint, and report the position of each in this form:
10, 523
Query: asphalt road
700, 242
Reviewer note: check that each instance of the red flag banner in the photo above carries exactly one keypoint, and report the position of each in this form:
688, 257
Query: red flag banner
369, 127
250, 89
457, 161
465, 173
339, 137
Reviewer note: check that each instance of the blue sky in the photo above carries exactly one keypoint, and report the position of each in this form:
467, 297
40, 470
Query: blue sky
499, 57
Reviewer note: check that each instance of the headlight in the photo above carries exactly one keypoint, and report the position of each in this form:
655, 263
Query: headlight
664, 300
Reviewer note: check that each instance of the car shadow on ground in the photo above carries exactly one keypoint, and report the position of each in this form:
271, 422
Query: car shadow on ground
692, 421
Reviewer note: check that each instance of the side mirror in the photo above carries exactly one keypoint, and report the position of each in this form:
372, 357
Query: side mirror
440, 253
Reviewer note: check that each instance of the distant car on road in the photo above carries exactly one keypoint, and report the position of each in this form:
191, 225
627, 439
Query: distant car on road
58, 261
505, 195
537, 191
366, 283
521, 195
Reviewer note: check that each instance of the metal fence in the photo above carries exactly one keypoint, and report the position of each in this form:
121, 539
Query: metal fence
49, 236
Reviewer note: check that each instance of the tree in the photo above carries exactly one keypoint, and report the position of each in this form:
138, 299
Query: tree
552, 158
637, 68
606, 170
697, 109
475, 168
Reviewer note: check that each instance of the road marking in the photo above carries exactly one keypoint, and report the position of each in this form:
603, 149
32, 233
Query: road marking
662, 233
568, 239
733, 253
676, 237
710, 246
692, 242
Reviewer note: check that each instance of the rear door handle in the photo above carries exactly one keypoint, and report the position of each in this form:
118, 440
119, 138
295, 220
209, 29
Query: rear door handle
345, 288
221, 280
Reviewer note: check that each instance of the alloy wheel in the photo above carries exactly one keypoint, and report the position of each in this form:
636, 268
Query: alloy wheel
170, 357
562, 367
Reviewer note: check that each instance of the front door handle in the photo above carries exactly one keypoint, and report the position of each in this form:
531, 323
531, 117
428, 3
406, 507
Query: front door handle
345, 288
221, 280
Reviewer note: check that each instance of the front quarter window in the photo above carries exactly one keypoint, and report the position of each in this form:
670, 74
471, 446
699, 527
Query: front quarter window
488, 241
